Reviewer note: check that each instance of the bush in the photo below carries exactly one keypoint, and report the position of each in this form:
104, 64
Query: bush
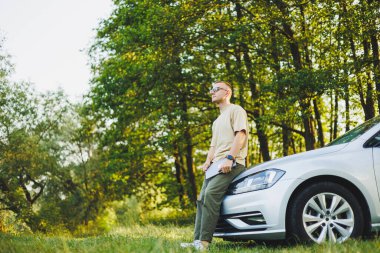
128, 211
123, 213
10, 224
169, 215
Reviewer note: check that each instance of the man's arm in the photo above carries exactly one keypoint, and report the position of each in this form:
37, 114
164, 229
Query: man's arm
237, 144
210, 156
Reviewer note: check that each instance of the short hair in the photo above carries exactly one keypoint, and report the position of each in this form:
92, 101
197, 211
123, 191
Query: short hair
225, 82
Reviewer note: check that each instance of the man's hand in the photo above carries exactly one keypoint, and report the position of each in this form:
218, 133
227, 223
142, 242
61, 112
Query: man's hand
206, 165
226, 166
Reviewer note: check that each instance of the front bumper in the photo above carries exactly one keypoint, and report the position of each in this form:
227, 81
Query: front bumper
256, 215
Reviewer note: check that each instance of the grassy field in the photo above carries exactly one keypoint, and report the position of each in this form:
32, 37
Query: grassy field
152, 238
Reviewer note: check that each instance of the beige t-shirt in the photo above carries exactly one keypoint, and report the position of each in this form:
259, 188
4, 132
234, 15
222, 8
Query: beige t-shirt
232, 118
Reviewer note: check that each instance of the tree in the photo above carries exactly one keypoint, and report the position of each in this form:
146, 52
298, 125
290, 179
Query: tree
29, 155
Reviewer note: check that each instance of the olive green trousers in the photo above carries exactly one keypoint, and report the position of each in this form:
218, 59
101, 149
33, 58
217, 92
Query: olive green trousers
209, 201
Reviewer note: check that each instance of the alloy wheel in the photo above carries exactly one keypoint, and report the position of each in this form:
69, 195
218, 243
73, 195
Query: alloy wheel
328, 217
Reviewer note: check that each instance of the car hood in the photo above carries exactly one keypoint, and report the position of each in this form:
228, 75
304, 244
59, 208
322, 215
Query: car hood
278, 163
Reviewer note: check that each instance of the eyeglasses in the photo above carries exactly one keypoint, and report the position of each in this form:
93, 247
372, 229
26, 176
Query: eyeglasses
216, 89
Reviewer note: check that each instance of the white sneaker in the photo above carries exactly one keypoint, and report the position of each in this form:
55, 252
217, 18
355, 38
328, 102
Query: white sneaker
190, 244
196, 245
199, 246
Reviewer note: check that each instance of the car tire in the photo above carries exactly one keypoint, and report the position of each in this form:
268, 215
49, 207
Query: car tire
324, 211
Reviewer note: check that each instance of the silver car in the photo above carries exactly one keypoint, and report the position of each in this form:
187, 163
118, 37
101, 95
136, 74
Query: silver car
328, 194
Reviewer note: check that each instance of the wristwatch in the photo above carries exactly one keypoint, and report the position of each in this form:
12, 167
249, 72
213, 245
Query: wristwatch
230, 157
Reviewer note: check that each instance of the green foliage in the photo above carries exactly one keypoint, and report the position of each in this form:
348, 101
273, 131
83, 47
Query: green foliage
169, 216
128, 211
10, 224
290, 64
29, 154
304, 71
141, 89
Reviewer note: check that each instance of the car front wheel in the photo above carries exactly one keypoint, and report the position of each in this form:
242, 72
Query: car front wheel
325, 211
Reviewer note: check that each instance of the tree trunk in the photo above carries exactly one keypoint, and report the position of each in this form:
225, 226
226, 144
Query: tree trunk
189, 153
367, 102
347, 99
331, 122
375, 56
178, 176
297, 62
308, 125
376, 67
319, 124
370, 103
363, 103
239, 77
286, 134
346, 89
190, 167
335, 130
285, 142
262, 137
305, 45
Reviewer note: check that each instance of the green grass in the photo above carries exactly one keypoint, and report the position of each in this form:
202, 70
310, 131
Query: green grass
153, 238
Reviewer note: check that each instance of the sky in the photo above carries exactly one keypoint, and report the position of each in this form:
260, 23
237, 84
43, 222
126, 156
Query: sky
48, 41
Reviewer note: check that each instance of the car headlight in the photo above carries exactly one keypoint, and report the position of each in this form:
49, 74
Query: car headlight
258, 181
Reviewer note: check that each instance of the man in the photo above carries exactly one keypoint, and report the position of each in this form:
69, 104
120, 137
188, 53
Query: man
230, 141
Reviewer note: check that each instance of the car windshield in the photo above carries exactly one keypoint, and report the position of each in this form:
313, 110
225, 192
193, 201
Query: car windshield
356, 132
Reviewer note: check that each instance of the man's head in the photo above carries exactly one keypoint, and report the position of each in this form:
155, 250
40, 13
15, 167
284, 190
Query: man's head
221, 92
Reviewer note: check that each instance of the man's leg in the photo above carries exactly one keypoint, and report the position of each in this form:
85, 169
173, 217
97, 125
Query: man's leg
212, 199
198, 217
